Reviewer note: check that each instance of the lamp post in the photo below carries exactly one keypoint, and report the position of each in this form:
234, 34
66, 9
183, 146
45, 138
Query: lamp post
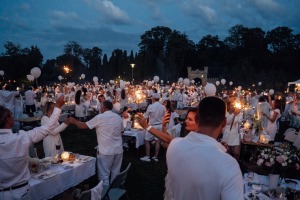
132, 66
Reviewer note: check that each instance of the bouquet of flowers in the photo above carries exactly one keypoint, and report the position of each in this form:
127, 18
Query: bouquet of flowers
276, 160
257, 125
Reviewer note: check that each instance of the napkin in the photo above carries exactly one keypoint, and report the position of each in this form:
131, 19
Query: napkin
96, 191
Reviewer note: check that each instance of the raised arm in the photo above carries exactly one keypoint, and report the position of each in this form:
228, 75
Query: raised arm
80, 125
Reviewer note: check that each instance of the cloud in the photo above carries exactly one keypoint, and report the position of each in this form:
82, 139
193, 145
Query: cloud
110, 12
60, 15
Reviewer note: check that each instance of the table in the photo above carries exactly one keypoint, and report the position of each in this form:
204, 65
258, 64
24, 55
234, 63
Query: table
30, 121
139, 136
67, 177
264, 181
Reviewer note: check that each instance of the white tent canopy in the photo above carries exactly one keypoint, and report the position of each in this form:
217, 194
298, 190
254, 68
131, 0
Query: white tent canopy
294, 82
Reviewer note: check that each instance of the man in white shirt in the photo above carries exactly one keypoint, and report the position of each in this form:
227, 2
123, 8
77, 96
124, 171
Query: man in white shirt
109, 128
154, 113
14, 148
7, 98
198, 166
30, 101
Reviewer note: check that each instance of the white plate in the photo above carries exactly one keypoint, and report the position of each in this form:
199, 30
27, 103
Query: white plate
47, 174
83, 159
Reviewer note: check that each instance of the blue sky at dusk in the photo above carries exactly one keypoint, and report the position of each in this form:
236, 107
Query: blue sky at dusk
50, 24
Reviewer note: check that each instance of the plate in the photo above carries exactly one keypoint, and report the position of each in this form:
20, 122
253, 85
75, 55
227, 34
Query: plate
47, 174
83, 159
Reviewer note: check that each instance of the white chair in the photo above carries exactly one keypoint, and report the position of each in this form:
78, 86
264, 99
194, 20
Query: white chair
297, 141
290, 135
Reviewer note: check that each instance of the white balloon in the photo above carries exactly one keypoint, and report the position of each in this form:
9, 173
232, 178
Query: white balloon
156, 79
217, 83
150, 83
95, 79
210, 89
35, 72
230, 83
223, 81
193, 81
1, 72
82, 76
161, 81
60, 77
259, 83
186, 81
180, 80
240, 88
122, 85
271, 91
30, 77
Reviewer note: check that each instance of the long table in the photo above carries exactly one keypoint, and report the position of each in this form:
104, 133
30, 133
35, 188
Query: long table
66, 175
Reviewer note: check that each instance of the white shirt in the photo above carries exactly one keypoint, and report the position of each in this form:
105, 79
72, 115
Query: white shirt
29, 97
53, 138
199, 168
108, 126
232, 137
7, 99
14, 150
155, 113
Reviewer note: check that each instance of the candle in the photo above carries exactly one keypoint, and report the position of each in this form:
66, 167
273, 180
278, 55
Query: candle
65, 156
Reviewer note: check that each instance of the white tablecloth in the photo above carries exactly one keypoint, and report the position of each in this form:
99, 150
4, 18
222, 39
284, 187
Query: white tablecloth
139, 135
66, 178
135, 106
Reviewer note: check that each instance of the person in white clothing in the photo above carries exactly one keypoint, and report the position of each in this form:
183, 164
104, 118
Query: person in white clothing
272, 118
7, 98
109, 128
154, 113
53, 139
231, 130
14, 156
198, 166
30, 101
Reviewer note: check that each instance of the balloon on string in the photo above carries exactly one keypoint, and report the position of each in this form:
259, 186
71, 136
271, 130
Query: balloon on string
192, 81
35, 72
161, 81
122, 84
156, 79
217, 83
60, 77
271, 91
95, 79
230, 83
1, 72
259, 83
82, 76
223, 81
180, 80
186, 81
210, 89
30, 77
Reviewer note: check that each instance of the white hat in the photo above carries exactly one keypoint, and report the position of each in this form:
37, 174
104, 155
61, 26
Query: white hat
155, 96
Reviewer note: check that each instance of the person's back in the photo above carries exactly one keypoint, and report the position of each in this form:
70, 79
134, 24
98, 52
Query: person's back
208, 172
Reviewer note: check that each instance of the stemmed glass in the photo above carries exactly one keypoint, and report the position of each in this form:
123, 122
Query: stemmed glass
271, 193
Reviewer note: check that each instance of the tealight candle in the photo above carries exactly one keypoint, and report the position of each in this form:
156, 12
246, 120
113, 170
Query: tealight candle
65, 156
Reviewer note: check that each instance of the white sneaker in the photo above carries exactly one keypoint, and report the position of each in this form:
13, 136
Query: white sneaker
145, 158
155, 159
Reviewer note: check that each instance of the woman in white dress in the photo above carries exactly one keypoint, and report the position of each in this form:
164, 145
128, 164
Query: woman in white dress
79, 107
53, 139
272, 118
231, 130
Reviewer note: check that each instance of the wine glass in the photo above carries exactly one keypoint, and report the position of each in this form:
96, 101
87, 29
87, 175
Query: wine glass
271, 192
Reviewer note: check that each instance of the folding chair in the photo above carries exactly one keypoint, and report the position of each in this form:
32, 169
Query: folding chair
116, 189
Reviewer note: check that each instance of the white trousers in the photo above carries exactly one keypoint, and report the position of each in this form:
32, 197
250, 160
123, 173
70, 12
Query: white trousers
108, 165
20, 193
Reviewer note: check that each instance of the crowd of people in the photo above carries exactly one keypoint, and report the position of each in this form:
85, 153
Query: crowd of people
208, 154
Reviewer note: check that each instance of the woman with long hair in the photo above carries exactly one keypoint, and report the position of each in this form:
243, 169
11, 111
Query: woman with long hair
79, 107
53, 139
272, 118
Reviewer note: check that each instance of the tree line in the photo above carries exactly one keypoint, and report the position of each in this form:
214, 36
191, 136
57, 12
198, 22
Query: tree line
246, 56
